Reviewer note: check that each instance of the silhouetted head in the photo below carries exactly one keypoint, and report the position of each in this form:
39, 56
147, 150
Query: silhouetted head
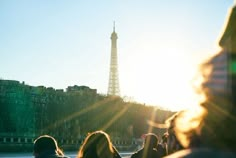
150, 141
46, 144
96, 145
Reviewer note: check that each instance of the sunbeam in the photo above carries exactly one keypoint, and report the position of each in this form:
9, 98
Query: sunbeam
78, 113
116, 117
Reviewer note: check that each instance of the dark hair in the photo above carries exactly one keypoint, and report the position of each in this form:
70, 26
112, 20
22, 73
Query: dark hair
151, 140
46, 143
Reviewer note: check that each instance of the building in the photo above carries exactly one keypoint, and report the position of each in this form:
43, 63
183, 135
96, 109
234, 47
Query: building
81, 90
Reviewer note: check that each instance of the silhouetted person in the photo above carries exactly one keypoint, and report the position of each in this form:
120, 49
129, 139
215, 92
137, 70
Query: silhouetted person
172, 144
162, 146
46, 146
209, 131
98, 145
149, 148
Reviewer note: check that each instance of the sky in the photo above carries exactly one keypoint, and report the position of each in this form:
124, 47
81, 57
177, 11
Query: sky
60, 43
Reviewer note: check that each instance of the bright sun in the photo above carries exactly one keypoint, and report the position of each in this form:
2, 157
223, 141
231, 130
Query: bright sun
162, 79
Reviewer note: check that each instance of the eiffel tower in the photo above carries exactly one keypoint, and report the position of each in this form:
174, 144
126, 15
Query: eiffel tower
113, 86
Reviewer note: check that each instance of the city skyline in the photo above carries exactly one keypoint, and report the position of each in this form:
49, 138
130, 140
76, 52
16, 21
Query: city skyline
59, 44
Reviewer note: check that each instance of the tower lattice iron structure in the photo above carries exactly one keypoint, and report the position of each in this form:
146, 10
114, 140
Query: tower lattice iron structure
113, 86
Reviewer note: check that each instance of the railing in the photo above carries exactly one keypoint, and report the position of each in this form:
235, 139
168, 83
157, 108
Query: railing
11, 143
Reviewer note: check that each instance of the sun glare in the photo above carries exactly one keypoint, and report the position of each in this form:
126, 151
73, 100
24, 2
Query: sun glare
164, 79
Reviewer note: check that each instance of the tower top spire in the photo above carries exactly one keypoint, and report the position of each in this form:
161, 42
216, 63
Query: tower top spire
113, 34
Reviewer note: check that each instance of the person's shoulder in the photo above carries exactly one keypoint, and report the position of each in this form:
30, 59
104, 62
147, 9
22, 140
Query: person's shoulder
201, 152
154, 150
155, 153
160, 147
59, 156
136, 154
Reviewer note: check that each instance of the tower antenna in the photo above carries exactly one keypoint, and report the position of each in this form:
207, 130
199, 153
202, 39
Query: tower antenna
114, 26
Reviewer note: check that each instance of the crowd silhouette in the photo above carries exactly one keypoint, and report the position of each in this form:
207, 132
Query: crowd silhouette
209, 131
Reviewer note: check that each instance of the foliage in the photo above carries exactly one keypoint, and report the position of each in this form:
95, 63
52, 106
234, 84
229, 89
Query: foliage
67, 115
